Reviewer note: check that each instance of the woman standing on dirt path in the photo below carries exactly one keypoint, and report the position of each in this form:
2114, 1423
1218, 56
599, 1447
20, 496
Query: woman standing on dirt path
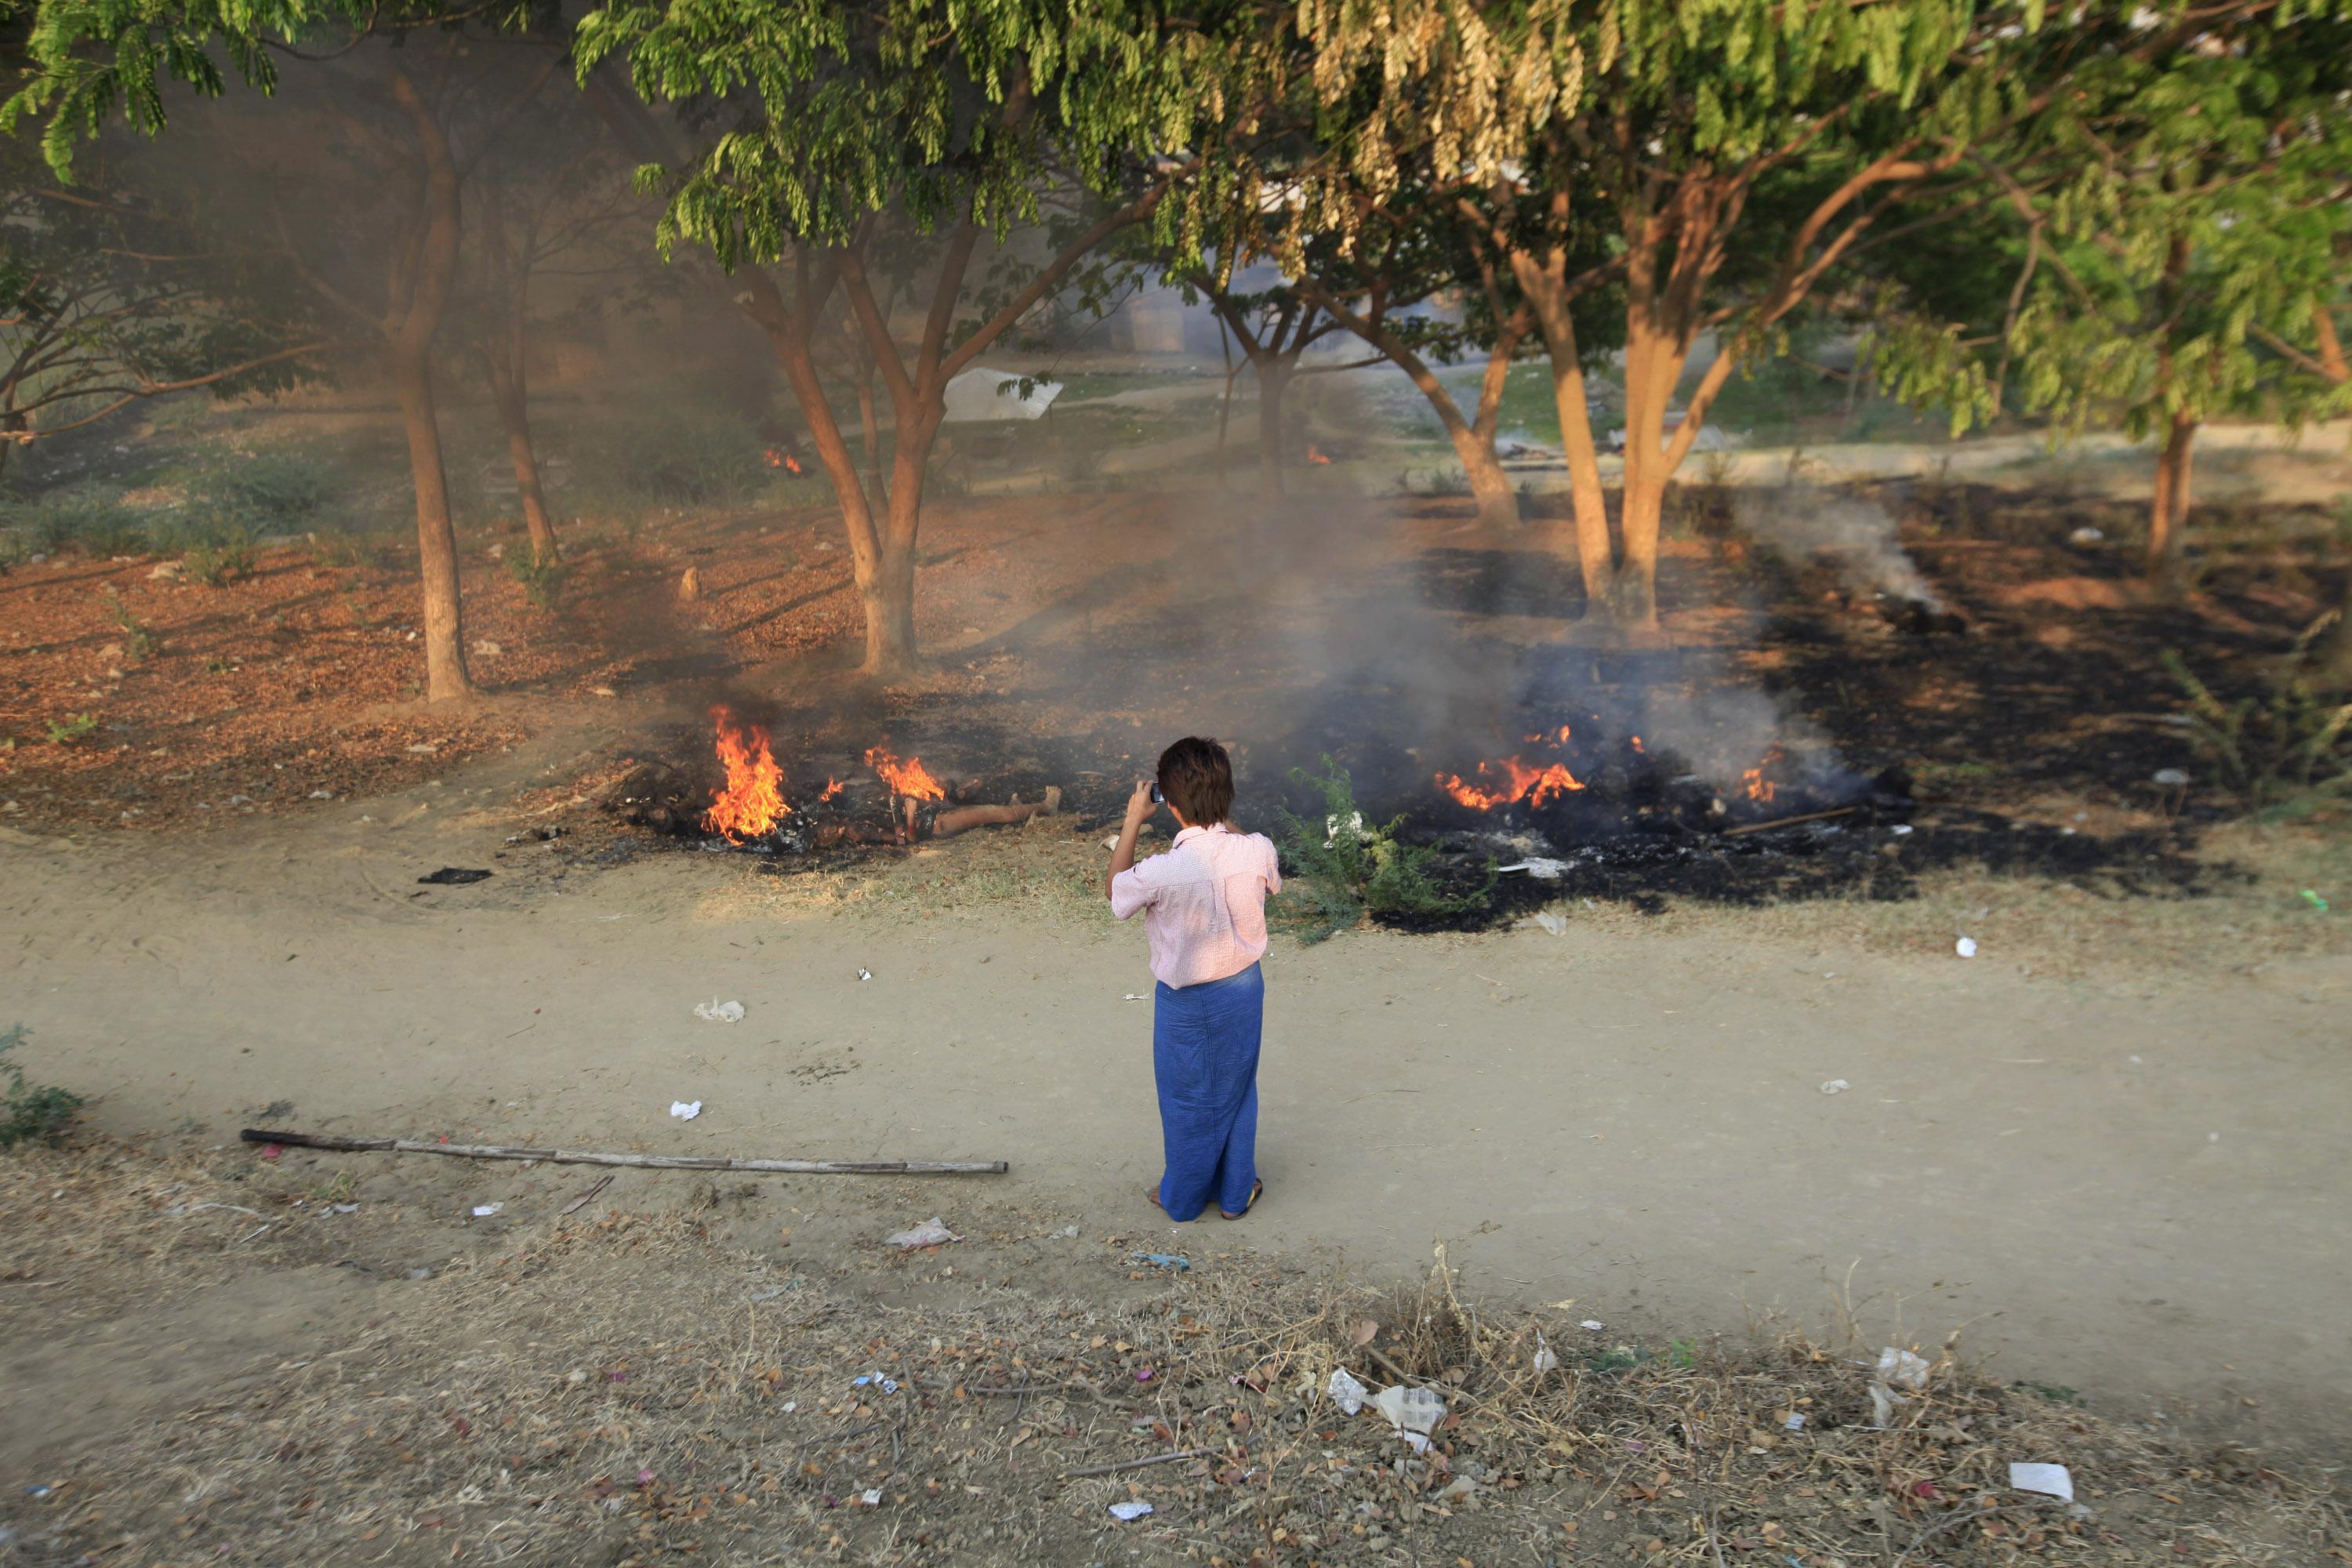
1204, 916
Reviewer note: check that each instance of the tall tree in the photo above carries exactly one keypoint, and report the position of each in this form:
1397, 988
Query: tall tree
116, 290
835, 116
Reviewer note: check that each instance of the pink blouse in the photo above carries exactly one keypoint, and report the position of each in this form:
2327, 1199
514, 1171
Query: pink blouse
1204, 903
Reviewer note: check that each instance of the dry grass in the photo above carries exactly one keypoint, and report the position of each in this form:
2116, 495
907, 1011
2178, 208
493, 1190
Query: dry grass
622, 1388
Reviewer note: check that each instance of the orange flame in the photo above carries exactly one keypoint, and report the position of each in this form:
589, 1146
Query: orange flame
753, 800
777, 458
1550, 739
1753, 781
1315, 455
791, 464
1521, 781
833, 786
1639, 747
909, 779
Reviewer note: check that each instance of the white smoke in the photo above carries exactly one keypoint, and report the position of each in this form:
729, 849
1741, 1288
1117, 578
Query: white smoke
1857, 538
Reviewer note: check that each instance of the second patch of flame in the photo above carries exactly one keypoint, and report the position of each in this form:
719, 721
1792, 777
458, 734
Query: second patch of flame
1509, 780
909, 779
753, 800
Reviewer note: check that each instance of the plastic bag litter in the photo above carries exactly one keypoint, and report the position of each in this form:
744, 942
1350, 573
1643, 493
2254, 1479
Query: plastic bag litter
1902, 1368
1417, 1441
1966, 947
1836, 1086
484, 1211
685, 1109
1537, 866
1410, 1409
871, 1497
1547, 1358
1590, 1325
931, 1233
1168, 1260
1345, 1391
1547, 921
1128, 1512
1882, 1402
1795, 1422
716, 1012
2050, 1481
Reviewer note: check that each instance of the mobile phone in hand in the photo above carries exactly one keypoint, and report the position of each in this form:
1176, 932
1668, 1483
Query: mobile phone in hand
1157, 798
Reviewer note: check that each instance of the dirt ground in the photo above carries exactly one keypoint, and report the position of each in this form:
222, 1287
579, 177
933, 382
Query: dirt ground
2103, 1150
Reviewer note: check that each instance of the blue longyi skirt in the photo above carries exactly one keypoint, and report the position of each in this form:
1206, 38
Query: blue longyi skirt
1204, 1044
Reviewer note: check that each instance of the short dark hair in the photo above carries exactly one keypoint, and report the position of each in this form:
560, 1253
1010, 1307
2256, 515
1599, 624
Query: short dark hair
1197, 778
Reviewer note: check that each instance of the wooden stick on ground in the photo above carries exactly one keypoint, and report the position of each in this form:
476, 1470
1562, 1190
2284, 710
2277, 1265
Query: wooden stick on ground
652, 1162
1137, 1464
1787, 821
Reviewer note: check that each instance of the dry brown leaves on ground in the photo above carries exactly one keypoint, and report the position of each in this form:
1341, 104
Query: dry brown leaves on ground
621, 1388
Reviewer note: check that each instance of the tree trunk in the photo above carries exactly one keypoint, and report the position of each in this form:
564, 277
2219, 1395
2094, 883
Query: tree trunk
1652, 368
2336, 653
514, 412
888, 591
2168, 510
1272, 381
446, 678
1498, 503
1546, 292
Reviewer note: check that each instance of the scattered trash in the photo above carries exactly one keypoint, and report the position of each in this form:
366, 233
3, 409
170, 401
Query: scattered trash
426, 748
1546, 1359
1345, 1391
1900, 828
484, 1211
487, 650
875, 1380
1555, 923
1882, 1405
1417, 1441
1903, 1368
1836, 1086
1355, 830
1410, 1409
602, 691
769, 1294
420, 1274
865, 974
1135, 997
2086, 536
685, 1109
1144, 1375
329, 794
1162, 1260
1966, 947
1796, 1421
37, 1493
1069, 1232
453, 876
2315, 900
2050, 1481
716, 1012
871, 1497
1590, 1325
1128, 1512
273, 1152
2170, 778
345, 1208
1541, 868
931, 1233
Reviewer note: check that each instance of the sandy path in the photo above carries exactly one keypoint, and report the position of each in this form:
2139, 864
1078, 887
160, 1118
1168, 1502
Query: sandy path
2133, 1186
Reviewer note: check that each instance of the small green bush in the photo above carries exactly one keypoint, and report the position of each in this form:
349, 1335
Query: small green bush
272, 491
1348, 866
73, 727
675, 457
140, 642
543, 581
86, 518
39, 1114
221, 558
2286, 748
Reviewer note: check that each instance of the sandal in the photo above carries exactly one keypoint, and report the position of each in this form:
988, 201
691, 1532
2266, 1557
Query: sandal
1152, 1197
1257, 1191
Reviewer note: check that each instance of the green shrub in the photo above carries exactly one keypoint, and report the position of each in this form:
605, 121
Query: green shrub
220, 558
40, 1114
140, 642
543, 581
673, 456
73, 727
272, 492
87, 519
2286, 747
1347, 865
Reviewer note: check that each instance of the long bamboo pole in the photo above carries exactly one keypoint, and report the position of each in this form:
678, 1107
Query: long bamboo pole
653, 1162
